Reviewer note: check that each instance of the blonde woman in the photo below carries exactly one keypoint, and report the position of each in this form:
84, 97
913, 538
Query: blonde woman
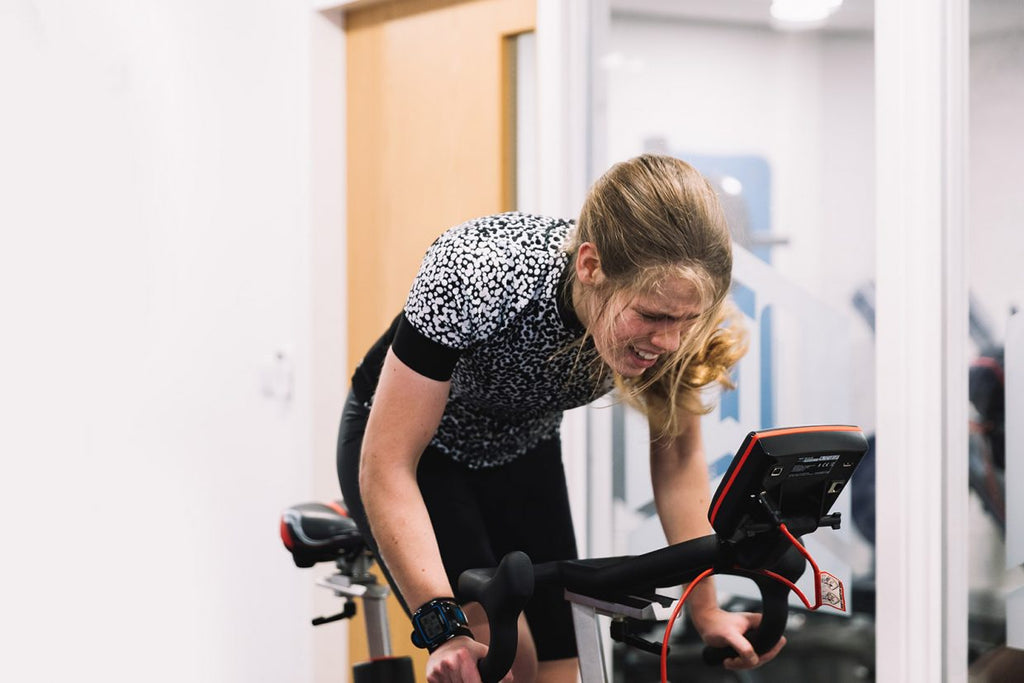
449, 452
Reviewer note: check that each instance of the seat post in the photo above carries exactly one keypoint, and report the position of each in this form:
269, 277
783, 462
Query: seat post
588, 644
376, 617
354, 580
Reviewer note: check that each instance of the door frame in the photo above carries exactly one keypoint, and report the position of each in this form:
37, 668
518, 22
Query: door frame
564, 171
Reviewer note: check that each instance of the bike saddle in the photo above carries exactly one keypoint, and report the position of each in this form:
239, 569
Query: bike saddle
320, 532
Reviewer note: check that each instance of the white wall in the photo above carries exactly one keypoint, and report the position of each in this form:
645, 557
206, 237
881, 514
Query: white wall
154, 211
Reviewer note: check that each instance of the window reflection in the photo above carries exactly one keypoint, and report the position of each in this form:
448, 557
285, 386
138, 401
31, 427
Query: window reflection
996, 246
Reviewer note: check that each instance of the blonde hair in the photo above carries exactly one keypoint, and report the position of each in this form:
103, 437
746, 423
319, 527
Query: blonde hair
651, 217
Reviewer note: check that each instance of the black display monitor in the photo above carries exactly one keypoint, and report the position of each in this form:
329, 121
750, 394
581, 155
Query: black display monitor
792, 475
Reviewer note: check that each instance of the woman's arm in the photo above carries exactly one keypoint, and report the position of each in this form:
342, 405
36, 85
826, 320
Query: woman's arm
679, 476
407, 409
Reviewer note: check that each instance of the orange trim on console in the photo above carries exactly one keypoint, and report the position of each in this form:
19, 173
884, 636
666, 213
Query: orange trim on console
773, 432
814, 428
743, 459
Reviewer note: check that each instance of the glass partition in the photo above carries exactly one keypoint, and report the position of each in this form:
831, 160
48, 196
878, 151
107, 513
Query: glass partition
996, 247
779, 115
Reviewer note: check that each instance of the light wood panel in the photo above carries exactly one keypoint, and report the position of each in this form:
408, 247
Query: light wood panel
426, 126
429, 129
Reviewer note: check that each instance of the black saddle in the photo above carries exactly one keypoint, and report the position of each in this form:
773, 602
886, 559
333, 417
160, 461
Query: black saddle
320, 532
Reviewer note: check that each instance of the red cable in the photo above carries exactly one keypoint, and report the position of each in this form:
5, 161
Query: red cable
814, 566
778, 577
792, 586
671, 619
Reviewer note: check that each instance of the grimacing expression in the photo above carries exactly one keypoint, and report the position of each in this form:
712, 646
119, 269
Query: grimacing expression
647, 326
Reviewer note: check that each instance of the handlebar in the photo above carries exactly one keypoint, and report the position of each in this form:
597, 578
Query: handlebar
774, 608
503, 593
780, 479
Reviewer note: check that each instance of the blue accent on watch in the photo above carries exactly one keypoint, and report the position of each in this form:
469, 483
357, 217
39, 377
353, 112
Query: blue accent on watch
438, 621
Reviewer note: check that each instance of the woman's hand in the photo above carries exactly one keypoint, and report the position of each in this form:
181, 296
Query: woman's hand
455, 662
719, 628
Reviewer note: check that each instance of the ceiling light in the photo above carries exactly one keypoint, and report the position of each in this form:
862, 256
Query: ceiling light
802, 14
731, 185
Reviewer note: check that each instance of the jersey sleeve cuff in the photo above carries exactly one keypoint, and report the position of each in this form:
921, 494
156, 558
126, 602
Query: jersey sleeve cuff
422, 354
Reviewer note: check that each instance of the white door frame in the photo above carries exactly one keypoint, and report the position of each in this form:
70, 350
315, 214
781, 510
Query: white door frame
921, 49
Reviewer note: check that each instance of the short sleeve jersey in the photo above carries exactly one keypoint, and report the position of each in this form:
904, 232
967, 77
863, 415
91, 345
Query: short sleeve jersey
489, 310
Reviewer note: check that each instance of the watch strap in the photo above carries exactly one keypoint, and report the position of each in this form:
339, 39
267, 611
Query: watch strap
454, 617
430, 647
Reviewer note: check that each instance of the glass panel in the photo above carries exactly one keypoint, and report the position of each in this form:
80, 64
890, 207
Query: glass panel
780, 120
525, 121
996, 246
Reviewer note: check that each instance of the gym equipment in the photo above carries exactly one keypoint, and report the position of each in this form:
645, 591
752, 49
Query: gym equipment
781, 485
323, 532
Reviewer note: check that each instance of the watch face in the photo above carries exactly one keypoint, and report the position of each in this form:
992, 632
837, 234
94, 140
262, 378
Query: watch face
432, 624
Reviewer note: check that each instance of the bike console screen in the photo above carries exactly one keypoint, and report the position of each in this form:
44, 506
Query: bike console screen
791, 476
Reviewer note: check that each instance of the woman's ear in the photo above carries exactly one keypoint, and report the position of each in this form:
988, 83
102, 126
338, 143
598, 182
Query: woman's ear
588, 265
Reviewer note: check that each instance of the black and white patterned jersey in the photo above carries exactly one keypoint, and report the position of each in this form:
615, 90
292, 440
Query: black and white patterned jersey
488, 310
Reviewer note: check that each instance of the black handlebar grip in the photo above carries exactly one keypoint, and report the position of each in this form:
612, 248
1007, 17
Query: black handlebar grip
503, 593
775, 601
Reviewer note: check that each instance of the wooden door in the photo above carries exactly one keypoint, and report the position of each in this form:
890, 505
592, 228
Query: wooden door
430, 130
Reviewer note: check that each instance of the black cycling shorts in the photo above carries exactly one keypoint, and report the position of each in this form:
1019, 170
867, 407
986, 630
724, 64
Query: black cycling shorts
480, 515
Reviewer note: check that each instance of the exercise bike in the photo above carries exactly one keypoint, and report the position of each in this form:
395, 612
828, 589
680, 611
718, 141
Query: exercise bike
781, 485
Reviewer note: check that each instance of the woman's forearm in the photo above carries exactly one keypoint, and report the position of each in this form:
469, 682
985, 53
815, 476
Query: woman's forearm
679, 477
404, 535
406, 410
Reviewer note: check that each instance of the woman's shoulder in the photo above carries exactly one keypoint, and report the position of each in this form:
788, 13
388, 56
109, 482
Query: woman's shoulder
507, 243
511, 228
481, 274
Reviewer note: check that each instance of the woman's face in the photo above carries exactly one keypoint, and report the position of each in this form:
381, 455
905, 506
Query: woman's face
635, 331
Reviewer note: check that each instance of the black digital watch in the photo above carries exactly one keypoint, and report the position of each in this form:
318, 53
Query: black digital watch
437, 622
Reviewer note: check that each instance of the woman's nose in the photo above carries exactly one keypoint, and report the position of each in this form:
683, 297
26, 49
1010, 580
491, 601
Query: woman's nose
667, 338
